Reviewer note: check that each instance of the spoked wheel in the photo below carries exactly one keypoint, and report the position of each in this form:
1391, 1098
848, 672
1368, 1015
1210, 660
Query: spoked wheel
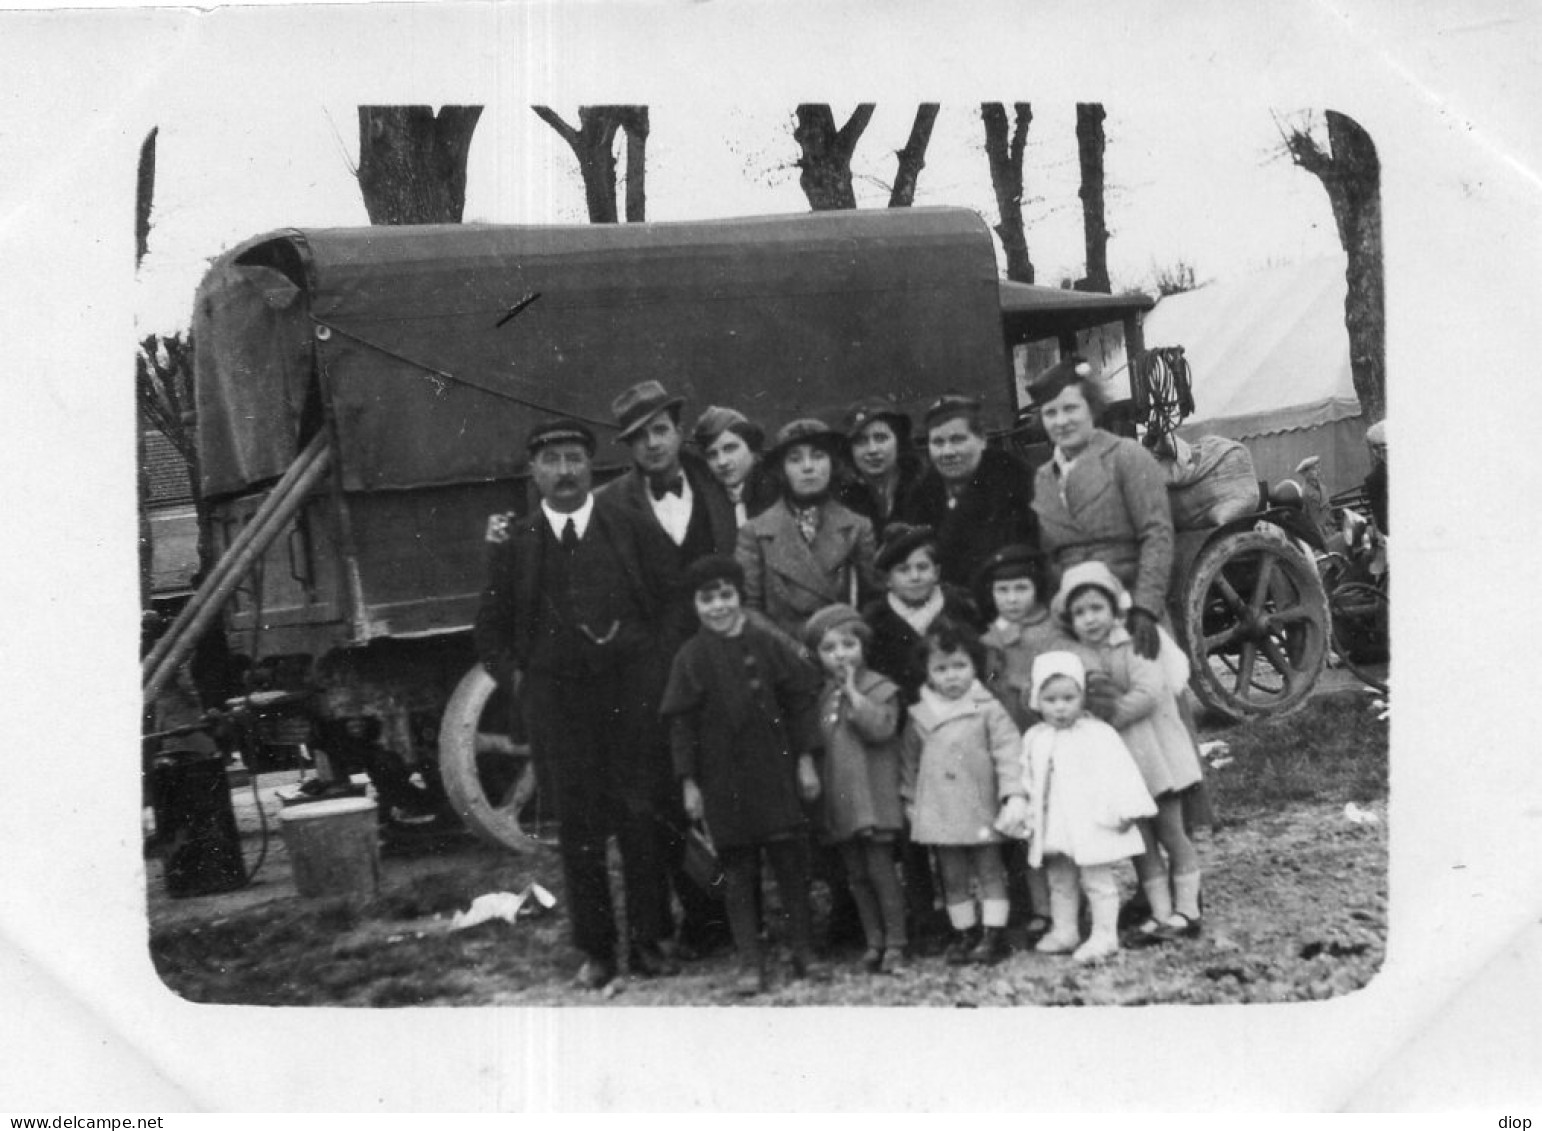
488, 777
1362, 637
1255, 625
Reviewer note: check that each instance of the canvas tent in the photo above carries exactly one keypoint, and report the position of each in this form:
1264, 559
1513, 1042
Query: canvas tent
1269, 356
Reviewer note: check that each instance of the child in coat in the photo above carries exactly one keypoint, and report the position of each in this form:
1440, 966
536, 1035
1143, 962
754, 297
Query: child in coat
916, 596
912, 573
960, 765
859, 715
740, 708
1137, 697
1010, 586
1084, 797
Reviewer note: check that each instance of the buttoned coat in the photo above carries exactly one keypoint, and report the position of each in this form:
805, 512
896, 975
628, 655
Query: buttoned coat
740, 712
960, 760
861, 766
1010, 650
1096, 790
791, 579
505, 624
1111, 507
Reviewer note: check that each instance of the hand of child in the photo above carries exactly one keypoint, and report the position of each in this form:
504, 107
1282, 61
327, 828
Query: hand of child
1014, 816
849, 681
691, 800
808, 779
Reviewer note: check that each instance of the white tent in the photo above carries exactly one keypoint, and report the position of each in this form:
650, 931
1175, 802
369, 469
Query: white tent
1269, 356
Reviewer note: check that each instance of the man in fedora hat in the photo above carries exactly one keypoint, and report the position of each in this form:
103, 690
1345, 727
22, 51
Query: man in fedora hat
672, 489
576, 604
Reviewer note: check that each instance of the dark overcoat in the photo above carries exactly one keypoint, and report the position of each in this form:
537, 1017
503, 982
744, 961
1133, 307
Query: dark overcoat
994, 509
741, 710
893, 648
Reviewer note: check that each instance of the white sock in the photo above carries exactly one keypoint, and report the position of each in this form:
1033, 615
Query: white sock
961, 915
994, 912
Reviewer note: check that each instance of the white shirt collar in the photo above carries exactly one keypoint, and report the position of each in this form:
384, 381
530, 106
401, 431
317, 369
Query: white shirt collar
580, 517
674, 511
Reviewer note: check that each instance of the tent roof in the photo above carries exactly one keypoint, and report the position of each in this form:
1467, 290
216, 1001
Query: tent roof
1269, 352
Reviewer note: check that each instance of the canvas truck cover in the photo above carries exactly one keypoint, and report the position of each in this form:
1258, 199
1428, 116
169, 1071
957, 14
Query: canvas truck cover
407, 334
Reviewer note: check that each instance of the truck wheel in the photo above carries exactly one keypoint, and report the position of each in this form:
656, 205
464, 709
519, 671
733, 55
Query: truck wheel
1255, 625
489, 778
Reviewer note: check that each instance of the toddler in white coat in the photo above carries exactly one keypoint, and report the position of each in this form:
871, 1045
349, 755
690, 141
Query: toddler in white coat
1084, 795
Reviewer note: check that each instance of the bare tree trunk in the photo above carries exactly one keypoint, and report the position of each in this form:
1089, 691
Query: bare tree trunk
826, 160
1006, 164
912, 159
593, 143
412, 162
636, 128
144, 199
1090, 144
1351, 173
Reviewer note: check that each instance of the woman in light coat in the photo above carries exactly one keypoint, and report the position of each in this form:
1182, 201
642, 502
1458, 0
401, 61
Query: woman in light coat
806, 551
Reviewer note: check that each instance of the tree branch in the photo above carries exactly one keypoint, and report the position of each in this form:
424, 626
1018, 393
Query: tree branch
554, 120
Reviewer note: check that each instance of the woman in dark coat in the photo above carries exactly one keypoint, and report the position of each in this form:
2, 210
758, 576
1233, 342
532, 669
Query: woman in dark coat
732, 444
884, 466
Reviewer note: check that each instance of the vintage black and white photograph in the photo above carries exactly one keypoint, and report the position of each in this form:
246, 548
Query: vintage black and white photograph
647, 540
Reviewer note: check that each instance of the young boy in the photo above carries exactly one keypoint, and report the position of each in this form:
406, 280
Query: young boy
740, 706
917, 596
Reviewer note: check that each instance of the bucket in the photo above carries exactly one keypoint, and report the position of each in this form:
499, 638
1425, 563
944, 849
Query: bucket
334, 847
195, 822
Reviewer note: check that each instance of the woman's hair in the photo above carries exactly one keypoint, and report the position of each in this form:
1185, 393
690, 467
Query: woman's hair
945, 635
754, 438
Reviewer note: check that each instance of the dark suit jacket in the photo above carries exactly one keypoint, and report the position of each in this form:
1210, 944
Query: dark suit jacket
506, 620
631, 491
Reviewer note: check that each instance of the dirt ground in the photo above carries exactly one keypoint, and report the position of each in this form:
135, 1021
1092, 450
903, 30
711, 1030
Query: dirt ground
1295, 901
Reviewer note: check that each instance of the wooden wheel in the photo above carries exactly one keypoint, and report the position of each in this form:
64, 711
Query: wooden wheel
1255, 624
488, 777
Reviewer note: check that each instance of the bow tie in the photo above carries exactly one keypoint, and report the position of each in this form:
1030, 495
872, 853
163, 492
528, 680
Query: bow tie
659, 490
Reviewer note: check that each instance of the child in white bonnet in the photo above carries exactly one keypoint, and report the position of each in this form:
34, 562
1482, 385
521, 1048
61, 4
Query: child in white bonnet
1084, 795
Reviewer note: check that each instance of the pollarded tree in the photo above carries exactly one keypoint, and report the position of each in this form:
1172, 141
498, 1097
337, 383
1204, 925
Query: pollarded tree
825, 165
1350, 171
1090, 144
1006, 165
912, 159
412, 162
594, 144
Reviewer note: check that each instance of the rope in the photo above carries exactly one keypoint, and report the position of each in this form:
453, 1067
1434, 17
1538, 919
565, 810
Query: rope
1163, 389
440, 378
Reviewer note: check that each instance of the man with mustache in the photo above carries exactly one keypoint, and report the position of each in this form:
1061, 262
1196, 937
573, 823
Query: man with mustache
580, 595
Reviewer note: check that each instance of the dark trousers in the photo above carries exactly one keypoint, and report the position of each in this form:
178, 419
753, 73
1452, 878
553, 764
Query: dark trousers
593, 732
741, 870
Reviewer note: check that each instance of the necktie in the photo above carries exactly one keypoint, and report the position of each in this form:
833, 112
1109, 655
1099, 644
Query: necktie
659, 490
569, 535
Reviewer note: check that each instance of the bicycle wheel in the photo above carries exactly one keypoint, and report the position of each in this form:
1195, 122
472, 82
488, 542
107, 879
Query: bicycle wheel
1361, 619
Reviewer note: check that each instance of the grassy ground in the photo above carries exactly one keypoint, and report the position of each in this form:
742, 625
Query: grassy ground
1295, 909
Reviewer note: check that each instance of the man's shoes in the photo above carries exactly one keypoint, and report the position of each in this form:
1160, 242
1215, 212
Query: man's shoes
648, 961
595, 974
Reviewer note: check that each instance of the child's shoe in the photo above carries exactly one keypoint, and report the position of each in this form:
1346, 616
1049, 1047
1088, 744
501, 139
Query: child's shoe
1058, 942
962, 946
894, 961
1097, 948
991, 948
752, 979
872, 959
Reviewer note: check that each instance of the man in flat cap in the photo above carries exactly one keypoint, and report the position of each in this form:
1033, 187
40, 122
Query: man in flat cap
672, 488
579, 596
977, 499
